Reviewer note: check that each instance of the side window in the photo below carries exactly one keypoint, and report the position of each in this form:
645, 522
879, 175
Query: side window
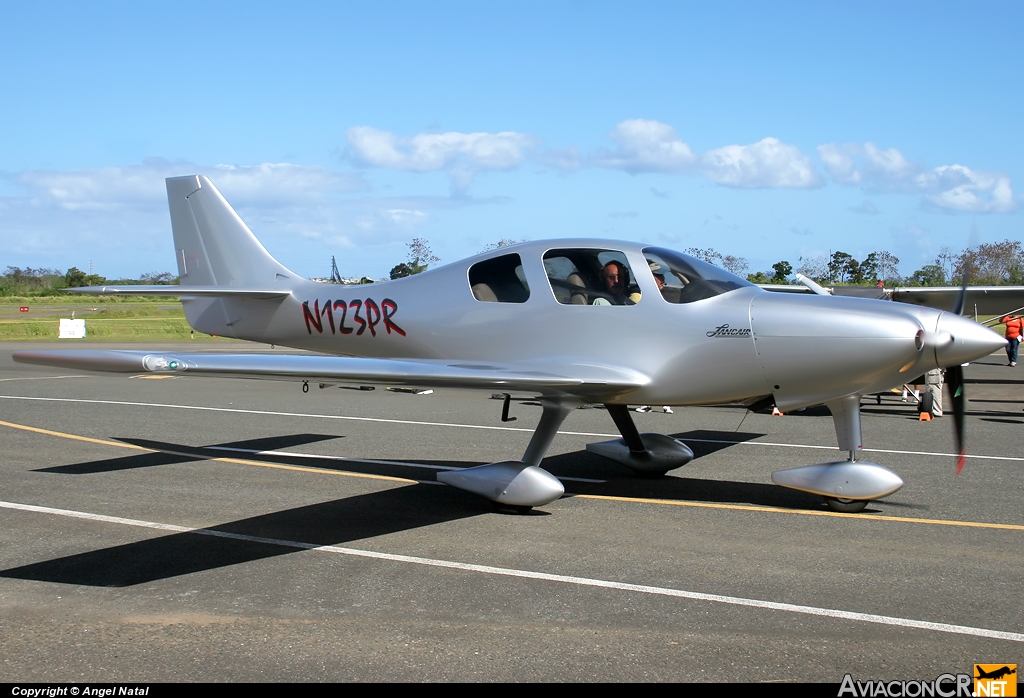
590, 277
499, 280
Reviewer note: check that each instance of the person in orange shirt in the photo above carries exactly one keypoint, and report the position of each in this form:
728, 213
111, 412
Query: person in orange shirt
1014, 334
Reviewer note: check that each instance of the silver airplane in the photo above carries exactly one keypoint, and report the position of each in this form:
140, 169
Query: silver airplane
572, 321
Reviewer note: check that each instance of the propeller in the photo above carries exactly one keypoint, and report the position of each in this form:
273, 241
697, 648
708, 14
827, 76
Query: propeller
955, 381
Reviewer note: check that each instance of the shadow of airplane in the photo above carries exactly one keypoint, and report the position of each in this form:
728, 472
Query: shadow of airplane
1002, 421
368, 515
995, 381
147, 460
329, 523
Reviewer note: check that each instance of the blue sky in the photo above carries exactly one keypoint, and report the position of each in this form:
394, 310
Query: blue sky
764, 130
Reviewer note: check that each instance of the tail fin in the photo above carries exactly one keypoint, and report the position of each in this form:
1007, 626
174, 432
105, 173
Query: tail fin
212, 245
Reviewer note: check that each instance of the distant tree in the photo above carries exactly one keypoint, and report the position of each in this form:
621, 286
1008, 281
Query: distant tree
887, 267
157, 278
947, 259
31, 282
992, 264
852, 271
734, 265
420, 255
366, 280
783, 270
75, 278
760, 278
400, 271
838, 269
503, 242
869, 268
709, 255
928, 275
814, 268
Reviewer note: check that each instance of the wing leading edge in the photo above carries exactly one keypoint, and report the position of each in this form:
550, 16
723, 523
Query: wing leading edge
578, 380
172, 290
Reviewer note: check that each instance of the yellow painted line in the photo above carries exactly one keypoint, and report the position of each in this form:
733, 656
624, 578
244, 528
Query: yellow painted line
155, 377
600, 497
236, 461
802, 512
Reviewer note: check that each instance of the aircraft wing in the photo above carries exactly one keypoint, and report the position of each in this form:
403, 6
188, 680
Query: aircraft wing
785, 288
989, 300
985, 300
174, 290
580, 380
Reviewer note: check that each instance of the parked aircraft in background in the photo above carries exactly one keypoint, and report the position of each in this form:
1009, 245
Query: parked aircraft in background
977, 300
573, 321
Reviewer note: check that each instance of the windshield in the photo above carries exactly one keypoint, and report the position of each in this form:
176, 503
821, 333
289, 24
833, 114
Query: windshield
684, 279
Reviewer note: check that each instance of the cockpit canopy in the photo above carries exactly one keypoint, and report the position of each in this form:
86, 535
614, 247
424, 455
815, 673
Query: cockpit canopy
685, 279
599, 276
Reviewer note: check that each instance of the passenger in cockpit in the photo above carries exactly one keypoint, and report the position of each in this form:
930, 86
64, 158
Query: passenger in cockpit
659, 275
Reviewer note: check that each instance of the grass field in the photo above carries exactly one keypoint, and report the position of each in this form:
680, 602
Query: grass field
120, 321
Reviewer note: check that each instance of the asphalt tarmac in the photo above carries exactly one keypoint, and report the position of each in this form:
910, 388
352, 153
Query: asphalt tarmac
144, 537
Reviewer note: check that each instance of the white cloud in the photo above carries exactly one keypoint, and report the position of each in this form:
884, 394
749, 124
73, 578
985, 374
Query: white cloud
277, 184
117, 216
643, 145
887, 164
767, 163
853, 164
142, 186
646, 146
104, 189
948, 187
462, 155
958, 188
839, 163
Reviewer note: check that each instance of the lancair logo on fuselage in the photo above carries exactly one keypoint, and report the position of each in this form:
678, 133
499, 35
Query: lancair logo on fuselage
726, 331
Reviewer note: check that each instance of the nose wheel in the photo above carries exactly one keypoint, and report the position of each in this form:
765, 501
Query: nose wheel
846, 506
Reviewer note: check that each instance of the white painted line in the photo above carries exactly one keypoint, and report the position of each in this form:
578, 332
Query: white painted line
38, 378
371, 461
344, 459
270, 413
542, 576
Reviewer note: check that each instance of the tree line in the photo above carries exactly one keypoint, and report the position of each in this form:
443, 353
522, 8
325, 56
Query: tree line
16, 281
988, 264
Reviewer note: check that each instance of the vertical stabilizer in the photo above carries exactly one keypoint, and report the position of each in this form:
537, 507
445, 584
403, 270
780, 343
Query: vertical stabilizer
212, 245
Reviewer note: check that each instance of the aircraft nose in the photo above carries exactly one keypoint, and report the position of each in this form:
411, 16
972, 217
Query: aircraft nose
958, 339
815, 348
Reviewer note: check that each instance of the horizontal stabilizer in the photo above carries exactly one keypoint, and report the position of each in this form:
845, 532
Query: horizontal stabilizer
169, 290
581, 381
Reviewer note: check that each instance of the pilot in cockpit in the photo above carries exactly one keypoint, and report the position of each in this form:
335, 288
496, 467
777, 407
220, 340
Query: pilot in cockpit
615, 279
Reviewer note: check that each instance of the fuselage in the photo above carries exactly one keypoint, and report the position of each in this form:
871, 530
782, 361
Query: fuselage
722, 346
